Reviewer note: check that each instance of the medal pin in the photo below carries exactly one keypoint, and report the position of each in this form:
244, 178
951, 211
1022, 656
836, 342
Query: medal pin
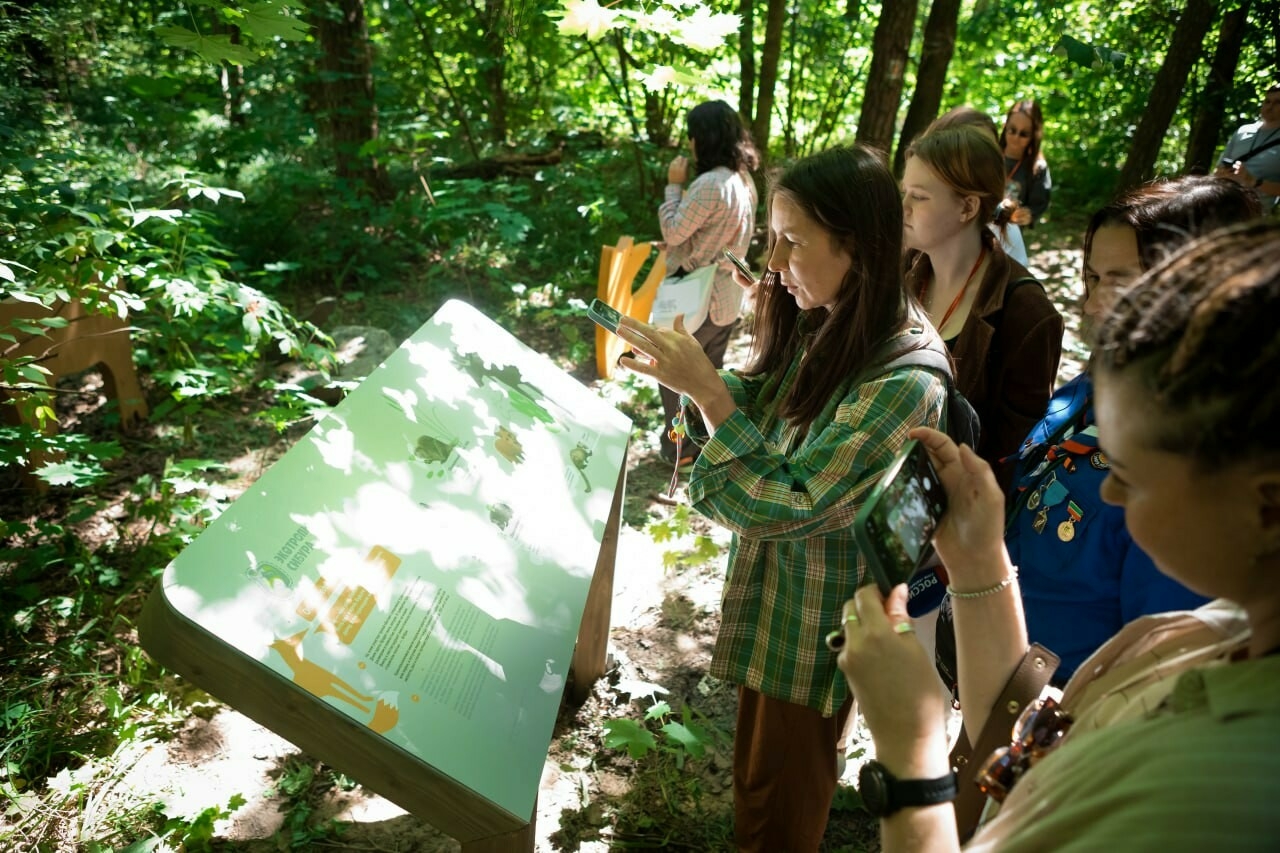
1067, 529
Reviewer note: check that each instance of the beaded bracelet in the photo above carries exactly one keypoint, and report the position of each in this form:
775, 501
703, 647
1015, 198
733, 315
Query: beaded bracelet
991, 590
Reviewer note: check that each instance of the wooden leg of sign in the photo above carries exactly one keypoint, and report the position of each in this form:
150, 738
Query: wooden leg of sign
589, 656
518, 841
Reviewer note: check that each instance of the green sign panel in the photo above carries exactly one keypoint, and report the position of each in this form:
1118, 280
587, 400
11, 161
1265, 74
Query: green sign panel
420, 560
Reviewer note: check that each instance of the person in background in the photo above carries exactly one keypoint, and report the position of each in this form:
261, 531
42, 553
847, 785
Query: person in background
791, 446
717, 212
1168, 738
1252, 157
1082, 576
1002, 225
1027, 181
1002, 330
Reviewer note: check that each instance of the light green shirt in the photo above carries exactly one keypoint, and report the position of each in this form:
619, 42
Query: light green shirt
1170, 758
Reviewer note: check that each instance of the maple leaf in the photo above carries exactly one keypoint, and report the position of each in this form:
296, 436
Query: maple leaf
706, 30
584, 17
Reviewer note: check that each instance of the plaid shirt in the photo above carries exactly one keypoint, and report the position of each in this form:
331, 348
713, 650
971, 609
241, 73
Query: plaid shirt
790, 501
717, 213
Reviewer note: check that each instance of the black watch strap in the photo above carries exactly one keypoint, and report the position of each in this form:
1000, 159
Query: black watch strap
883, 794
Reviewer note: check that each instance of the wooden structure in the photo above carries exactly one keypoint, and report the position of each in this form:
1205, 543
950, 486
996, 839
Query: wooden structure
619, 266
88, 340
405, 593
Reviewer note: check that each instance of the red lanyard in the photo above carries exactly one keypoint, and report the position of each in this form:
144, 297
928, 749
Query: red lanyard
947, 316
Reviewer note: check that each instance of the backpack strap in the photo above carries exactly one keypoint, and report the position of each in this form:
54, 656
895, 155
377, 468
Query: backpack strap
1271, 143
922, 347
1024, 686
926, 357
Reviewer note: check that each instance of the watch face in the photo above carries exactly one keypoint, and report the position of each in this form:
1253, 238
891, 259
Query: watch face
873, 788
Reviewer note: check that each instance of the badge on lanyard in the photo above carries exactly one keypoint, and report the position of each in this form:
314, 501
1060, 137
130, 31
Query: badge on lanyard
1067, 529
1041, 519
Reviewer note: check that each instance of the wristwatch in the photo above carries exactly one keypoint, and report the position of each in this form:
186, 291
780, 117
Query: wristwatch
882, 794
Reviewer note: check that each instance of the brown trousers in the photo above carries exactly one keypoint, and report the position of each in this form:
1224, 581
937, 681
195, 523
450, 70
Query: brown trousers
784, 773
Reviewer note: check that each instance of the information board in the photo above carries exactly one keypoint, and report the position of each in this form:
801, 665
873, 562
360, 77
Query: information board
420, 560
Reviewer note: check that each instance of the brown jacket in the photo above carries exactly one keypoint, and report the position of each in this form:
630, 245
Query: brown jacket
1006, 355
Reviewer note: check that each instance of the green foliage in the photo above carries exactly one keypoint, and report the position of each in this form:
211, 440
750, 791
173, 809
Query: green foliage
195, 833
661, 732
260, 22
678, 526
300, 783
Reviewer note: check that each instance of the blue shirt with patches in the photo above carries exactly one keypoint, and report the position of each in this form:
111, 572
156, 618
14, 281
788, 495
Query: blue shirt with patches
1082, 575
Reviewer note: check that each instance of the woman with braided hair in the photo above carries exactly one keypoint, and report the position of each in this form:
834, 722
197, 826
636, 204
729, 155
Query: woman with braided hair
1168, 737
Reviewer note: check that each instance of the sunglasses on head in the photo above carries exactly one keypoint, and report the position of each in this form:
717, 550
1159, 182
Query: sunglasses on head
1039, 728
1025, 134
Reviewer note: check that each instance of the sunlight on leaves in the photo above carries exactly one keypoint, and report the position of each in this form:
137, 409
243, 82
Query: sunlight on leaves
170, 215
584, 18
663, 76
705, 30
76, 474
634, 737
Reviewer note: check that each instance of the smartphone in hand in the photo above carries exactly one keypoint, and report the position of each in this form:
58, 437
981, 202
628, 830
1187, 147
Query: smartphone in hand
895, 527
604, 314
740, 264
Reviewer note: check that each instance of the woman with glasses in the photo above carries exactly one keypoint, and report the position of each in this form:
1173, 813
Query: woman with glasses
1027, 181
1002, 330
796, 439
1168, 737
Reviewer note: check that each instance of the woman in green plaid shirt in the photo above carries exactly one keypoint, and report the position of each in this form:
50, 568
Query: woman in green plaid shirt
790, 447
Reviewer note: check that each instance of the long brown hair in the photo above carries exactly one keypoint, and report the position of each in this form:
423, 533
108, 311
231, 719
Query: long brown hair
850, 192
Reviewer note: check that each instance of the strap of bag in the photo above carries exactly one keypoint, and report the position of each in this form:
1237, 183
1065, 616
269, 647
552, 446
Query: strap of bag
1024, 686
919, 349
1271, 143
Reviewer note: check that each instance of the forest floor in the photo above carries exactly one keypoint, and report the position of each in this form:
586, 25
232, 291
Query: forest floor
593, 797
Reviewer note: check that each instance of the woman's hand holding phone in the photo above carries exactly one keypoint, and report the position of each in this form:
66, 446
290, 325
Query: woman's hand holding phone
743, 275
970, 537
895, 682
677, 360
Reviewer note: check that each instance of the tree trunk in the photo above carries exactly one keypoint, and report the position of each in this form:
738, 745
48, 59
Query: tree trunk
890, 46
1206, 127
931, 76
493, 66
348, 113
746, 61
774, 17
1184, 50
232, 79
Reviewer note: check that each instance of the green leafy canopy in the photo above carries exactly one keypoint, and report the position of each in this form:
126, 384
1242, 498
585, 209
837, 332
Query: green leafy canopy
263, 21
